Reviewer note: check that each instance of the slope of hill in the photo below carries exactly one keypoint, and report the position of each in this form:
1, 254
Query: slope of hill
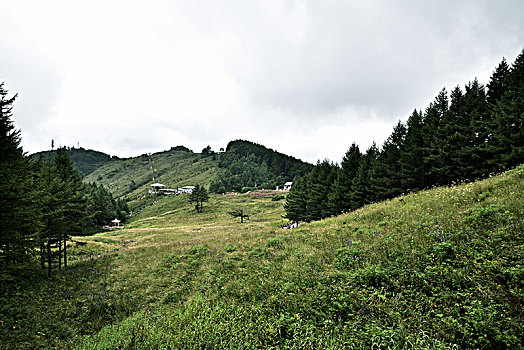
441, 269
84, 160
247, 165
244, 164
438, 269
131, 178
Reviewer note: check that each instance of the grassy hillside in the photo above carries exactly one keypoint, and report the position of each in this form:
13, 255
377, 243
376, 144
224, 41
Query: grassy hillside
131, 178
439, 269
243, 165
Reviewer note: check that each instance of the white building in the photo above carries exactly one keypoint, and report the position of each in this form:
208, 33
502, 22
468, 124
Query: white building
287, 186
155, 187
187, 189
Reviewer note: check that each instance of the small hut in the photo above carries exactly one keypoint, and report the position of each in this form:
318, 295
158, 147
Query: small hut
116, 223
155, 187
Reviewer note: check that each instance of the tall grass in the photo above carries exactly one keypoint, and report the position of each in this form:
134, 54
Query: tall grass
439, 269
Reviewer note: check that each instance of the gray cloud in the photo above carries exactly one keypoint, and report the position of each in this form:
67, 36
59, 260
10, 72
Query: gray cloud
306, 78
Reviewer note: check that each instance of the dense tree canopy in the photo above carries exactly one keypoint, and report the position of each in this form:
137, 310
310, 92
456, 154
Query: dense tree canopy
246, 165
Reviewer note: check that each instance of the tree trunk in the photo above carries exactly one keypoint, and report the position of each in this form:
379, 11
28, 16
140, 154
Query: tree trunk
65, 252
7, 254
42, 254
60, 253
48, 249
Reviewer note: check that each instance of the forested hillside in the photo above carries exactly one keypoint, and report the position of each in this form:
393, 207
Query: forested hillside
246, 165
463, 135
84, 160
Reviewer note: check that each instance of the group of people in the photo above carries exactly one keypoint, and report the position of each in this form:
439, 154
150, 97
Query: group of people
290, 225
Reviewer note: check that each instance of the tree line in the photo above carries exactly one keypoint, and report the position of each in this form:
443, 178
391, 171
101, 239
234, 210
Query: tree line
44, 201
246, 165
461, 136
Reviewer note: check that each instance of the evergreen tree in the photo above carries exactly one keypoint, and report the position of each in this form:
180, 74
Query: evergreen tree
435, 157
319, 184
295, 205
75, 202
413, 171
339, 198
199, 195
386, 182
497, 86
245, 165
482, 148
239, 213
122, 209
101, 205
460, 135
53, 200
509, 117
18, 212
361, 193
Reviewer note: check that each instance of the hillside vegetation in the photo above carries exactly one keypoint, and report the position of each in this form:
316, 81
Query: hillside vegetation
243, 166
84, 160
131, 178
442, 268
246, 165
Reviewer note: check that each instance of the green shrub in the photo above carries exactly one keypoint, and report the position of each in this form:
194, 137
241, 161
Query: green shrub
276, 242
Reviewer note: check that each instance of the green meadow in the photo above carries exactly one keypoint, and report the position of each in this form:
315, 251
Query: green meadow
437, 269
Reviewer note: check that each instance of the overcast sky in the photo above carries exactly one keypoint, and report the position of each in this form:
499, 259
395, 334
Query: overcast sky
306, 78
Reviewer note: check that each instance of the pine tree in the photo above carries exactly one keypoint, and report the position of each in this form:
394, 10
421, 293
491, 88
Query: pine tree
122, 209
435, 157
509, 117
386, 182
482, 147
412, 172
75, 202
460, 135
199, 195
339, 198
53, 200
101, 205
497, 86
361, 184
319, 184
18, 213
295, 205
